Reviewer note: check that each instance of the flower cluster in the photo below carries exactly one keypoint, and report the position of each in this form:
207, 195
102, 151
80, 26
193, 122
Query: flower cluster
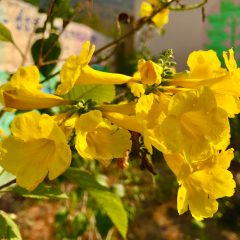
186, 117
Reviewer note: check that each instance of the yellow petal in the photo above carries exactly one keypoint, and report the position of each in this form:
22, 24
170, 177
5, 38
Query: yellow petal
23, 99
72, 68
86, 53
201, 206
92, 76
69, 74
113, 142
137, 89
32, 125
60, 161
38, 146
127, 108
150, 72
26, 77
217, 182
203, 64
88, 122
182, 200
27, 160
161, 18
224, 158
230, 104
230, 62
145, 9
177, 164
125, 121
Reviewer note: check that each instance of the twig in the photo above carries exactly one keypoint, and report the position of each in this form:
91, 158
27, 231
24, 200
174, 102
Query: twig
53, 61
101, 59
141, 22
50, 76
62, 31
18, 49
49, 13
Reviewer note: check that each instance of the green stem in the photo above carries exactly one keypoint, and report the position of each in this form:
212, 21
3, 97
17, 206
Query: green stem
18, 49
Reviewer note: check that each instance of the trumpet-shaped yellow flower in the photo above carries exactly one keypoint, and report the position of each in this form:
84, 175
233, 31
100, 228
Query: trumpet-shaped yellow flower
76, 71
202, 183
195, 125
203, 64
98, 139
23, 91
37, 148
147, 8
205, 70
150, 72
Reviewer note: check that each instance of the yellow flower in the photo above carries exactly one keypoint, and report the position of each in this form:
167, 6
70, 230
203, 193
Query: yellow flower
76, 71
147, 8
205, 70
150, 113
150, 72
97, 138
146, 118
66, 121
194, 125
202, 183
23, 91
203, 64
37, 148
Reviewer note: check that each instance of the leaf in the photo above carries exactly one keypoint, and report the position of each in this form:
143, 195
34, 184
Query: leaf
5, 177
51, 43
8, 230
41, 192
108, 201
98, 93
103, 223
5, 34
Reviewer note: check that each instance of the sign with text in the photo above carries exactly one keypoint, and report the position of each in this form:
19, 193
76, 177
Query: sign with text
22, 19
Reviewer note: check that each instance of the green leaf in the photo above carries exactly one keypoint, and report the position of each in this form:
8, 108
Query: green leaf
51, 43
98, 93
5, 34
108, 201
103, 223
41, 192
79, 224
5, 177
8, 228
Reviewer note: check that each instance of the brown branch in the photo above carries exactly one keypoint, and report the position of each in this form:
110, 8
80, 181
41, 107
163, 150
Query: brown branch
49, 77
77, 11
49, 13
141, 22
101, 59
53, 61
